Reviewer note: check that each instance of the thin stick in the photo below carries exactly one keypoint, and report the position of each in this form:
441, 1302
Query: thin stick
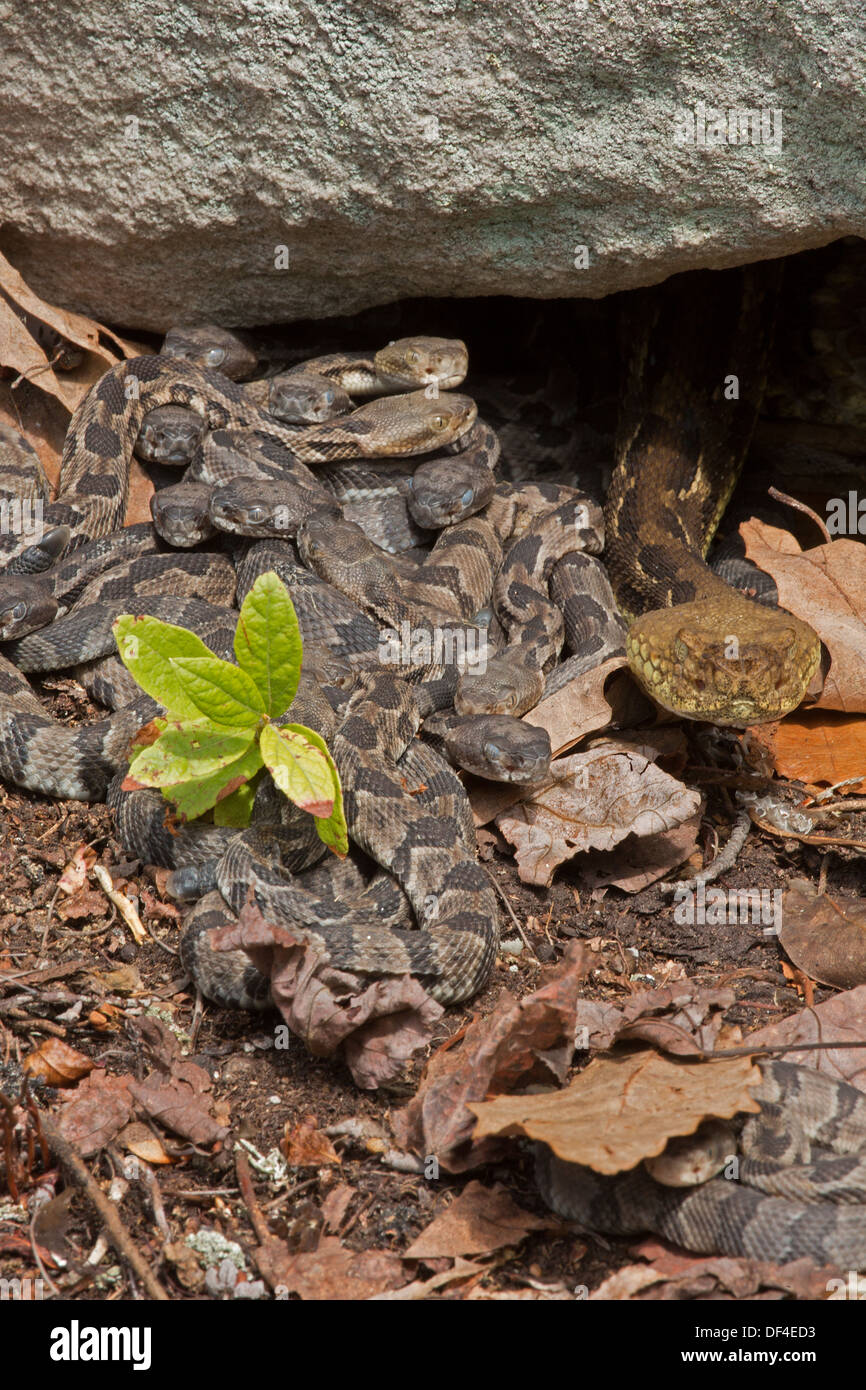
807, 839
510, 910
801, 507
117, 1232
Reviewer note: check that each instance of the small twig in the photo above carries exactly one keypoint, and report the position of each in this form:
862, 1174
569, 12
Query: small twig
510, 910
801, 507
848, 782
780, 1047
807, 839
117, 1232
245, 1183
849, 803
290, 1192
40, 977
122, 903
722, 862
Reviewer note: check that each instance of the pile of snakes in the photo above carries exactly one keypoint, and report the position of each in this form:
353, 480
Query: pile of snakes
437, 604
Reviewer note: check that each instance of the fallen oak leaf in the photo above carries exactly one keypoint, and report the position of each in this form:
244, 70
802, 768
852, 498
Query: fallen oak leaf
306, 1146
839, 1019
480, 1220
599, 797
816, 747
331, 1272
824, 587
824, 936
622, 1109
96, 1112
376, 1024
57, 1063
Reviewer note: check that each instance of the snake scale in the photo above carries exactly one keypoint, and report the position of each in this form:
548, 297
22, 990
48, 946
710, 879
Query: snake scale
512, 547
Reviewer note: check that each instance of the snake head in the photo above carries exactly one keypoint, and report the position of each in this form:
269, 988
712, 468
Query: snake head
25, 606
726, 661
504, 687
423, 361
211, 347
500, 748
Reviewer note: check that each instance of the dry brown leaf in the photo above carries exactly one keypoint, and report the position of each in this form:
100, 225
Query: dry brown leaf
841, 1019
825, 938
333, 1272
672, 1275
600, 796
336, 1204
377, 1025
177, 1091
460, 1271
57, 1063
142, 1143
521, 1041
635, 864
96, 1112
74, 876
479, 1220
79, 329
20, 351
85, 903
306, 1146
817, 748
622, 1109
685, 1033
37, 400
826, 587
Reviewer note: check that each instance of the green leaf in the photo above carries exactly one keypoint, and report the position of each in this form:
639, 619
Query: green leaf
188, 752
194, 798
235, 810
268, 642
304, 771
219, 691
298, 768
148, 649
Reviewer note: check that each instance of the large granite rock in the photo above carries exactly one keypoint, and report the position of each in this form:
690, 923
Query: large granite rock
258, 162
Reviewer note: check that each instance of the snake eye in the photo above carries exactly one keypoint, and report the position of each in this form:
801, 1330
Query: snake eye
13, 615
439, 422
467, 496
256, 513
329, 398
215, 356
412, 357
492, 752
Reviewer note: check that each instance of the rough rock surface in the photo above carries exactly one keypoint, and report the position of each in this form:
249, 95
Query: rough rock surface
264, 160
